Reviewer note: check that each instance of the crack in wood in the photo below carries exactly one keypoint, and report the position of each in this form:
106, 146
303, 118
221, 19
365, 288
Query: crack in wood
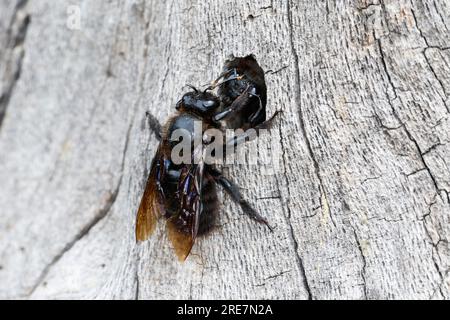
364, 263
102, 213
299, 260
136, 294
317, 170
15, 39
270, 71
430, 66
403, 125
422, 159
272, 277
168, 51
434, 244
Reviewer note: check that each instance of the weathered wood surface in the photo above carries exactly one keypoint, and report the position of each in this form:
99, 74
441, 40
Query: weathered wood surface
361, 205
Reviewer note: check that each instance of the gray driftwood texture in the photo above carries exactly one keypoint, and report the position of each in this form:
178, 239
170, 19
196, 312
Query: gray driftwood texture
361, 204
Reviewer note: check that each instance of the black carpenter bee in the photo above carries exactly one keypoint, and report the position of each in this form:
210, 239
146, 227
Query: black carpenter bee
185, 194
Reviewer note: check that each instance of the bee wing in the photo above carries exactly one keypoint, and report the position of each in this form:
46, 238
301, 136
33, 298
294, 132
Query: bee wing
182, 242
151, 207
183, 228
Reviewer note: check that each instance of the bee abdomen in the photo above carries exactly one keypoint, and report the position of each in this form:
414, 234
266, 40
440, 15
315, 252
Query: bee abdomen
210, 206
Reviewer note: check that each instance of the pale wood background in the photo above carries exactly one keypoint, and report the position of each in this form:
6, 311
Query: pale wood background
361, 205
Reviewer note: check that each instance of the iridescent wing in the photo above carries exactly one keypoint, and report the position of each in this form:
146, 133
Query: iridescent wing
152, 202
183, 227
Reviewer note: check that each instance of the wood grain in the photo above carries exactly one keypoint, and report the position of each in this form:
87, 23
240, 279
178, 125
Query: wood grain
360, 202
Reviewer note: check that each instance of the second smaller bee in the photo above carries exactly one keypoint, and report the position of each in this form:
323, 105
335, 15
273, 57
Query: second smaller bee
243, 93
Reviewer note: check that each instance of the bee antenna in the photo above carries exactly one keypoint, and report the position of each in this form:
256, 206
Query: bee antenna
192, 87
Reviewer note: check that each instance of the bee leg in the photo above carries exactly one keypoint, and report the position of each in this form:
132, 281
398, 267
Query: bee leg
215, 83
251, 133
239, 139
233, 190
233, 76
236, 106
154, 125
258, 112
268, 124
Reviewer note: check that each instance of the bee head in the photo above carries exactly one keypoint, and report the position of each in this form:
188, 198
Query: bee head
201, 103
